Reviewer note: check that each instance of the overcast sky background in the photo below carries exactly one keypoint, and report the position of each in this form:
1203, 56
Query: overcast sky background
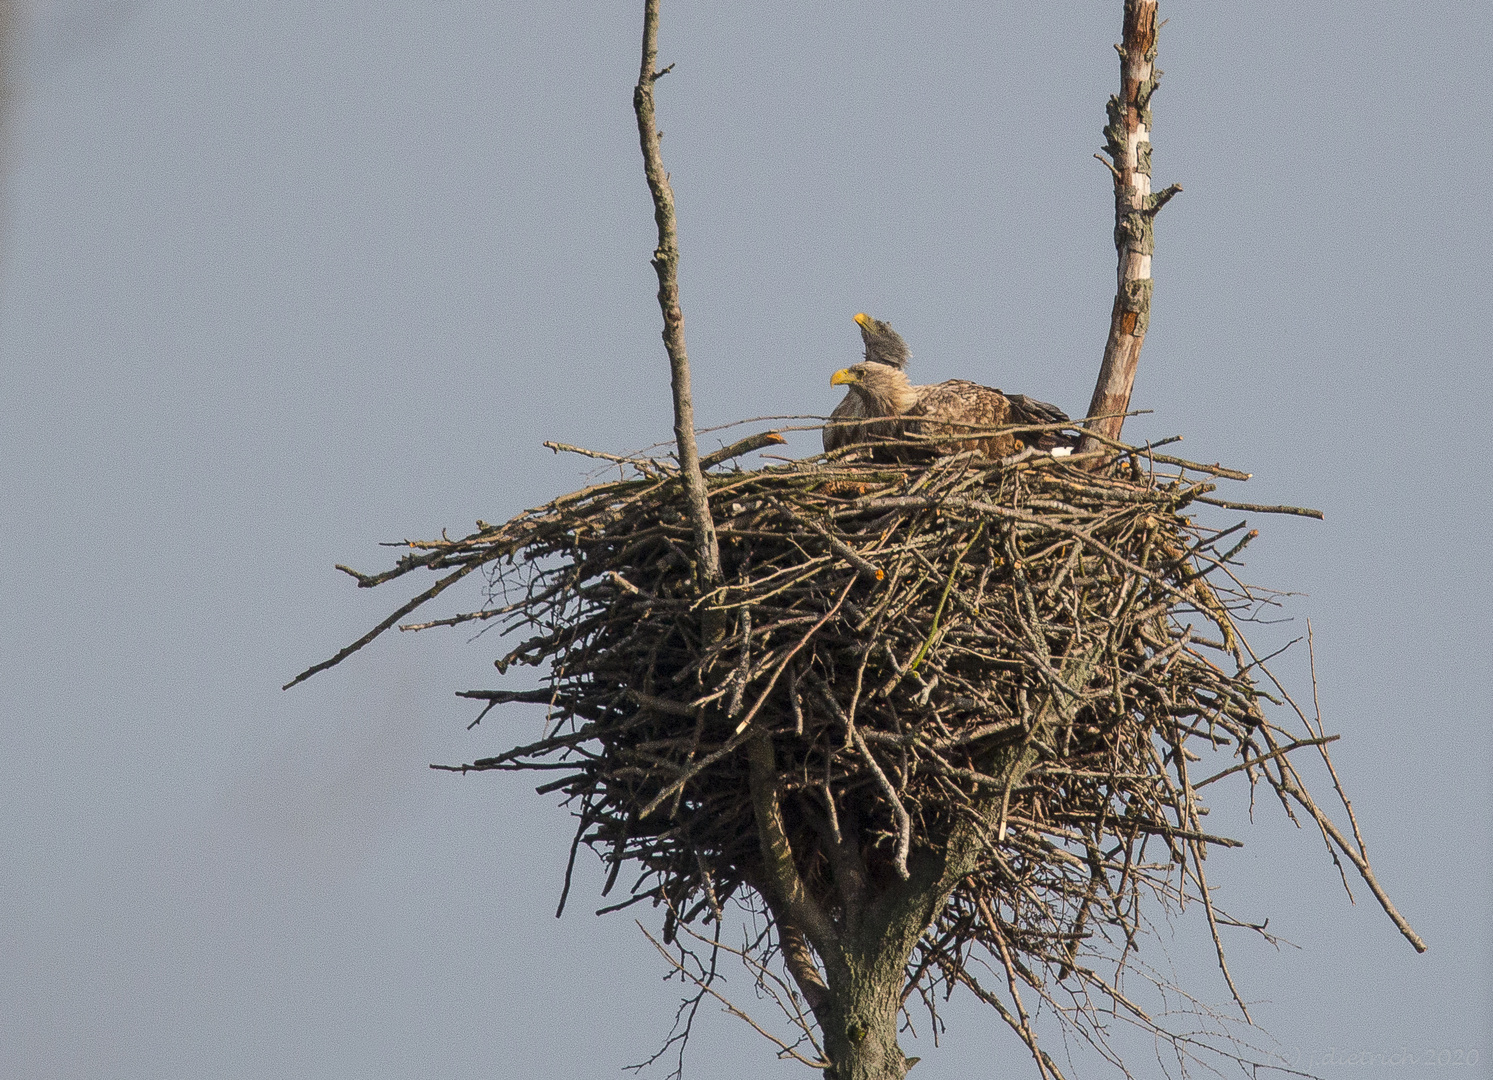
279, 281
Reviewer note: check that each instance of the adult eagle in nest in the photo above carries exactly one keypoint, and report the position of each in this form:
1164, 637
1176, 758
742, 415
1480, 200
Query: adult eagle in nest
953, 409
847, 424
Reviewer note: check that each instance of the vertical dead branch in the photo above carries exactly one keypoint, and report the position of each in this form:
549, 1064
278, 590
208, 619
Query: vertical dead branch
666, 263
1128, 144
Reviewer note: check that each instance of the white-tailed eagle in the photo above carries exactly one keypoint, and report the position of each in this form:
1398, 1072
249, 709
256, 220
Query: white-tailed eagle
878, 388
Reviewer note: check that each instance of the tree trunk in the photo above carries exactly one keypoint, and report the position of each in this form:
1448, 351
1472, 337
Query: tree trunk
860, 1028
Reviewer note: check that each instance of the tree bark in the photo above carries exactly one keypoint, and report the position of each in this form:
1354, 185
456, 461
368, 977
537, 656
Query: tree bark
666, 264
860, 1031
1128, 143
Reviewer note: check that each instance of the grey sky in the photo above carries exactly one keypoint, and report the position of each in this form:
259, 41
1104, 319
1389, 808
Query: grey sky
281, 281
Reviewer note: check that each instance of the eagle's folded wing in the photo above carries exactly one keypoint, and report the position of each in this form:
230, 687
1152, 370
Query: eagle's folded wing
959, 406
956, 408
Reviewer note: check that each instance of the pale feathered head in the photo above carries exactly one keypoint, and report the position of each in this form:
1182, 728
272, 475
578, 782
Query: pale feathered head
883, 387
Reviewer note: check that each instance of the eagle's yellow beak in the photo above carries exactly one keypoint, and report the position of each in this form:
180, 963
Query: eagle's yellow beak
864, 319
843, 377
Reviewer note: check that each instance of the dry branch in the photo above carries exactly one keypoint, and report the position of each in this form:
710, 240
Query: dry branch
666, 265
1127, 141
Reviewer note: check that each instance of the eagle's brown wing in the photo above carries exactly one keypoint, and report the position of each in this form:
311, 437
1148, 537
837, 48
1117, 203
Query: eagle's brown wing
954, 408
1027, 410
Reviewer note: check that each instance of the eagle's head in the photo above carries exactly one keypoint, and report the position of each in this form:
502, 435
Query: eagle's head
883, 387
883, 344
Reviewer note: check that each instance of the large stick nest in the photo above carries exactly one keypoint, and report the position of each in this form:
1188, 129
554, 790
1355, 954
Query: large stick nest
920, 643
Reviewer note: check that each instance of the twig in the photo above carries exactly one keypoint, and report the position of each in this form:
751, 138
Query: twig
785, 1049
429, 594
1300, 511
742, 446
904, 822
646, 465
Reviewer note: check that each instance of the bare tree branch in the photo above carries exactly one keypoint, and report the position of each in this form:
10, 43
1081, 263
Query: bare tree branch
1128, 143
666, 264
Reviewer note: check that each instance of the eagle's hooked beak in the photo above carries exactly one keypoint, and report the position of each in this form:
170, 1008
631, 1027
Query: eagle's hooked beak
843, 377
864, 320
